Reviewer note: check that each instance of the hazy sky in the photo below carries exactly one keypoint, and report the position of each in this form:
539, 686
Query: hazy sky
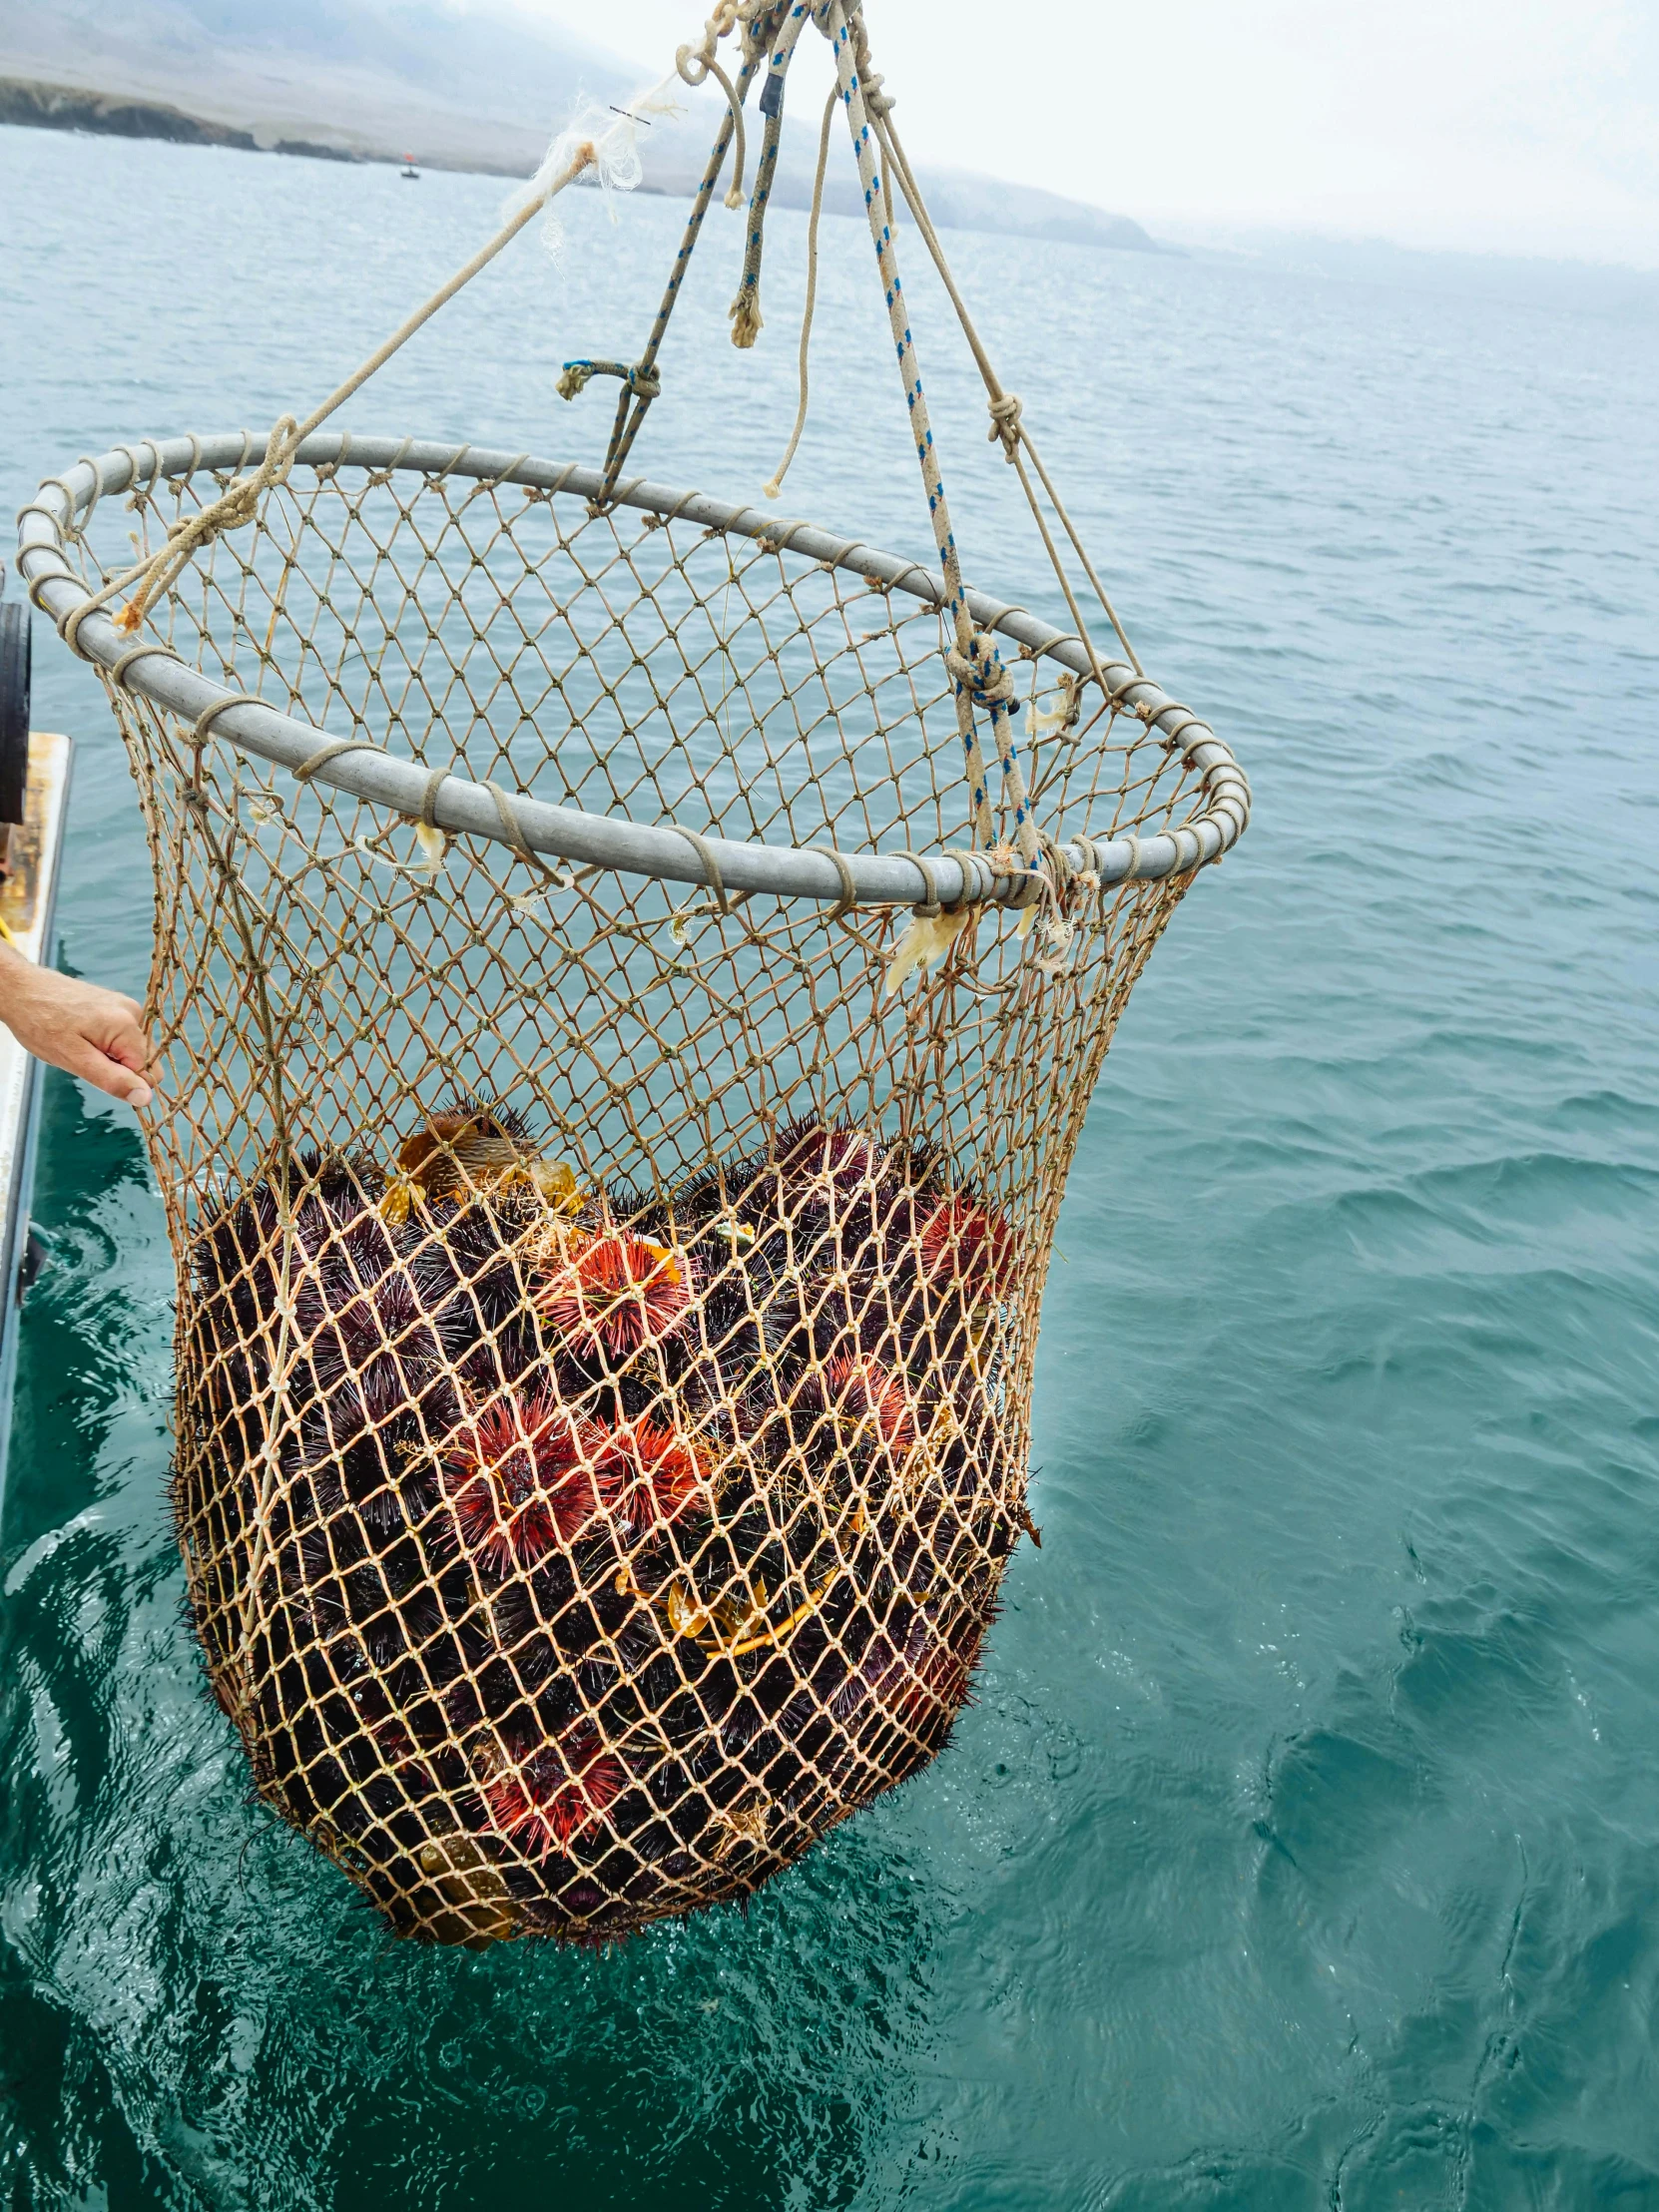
1524, 126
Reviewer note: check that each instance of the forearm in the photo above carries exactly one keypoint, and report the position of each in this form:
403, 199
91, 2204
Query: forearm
80, 1027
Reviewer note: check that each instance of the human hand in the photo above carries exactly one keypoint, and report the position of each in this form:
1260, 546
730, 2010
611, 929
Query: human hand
80, 1027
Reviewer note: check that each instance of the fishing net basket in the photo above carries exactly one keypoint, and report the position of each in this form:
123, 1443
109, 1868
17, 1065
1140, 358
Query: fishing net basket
617, 1066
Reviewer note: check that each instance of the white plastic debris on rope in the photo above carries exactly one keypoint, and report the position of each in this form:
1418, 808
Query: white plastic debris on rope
612, 137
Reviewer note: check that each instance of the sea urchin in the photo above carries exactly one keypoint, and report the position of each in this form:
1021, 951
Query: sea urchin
522, 1474
655, 1472
614, 1295
542, 1801
963, 1239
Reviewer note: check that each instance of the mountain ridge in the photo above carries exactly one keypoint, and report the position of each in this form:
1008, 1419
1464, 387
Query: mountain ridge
478, 90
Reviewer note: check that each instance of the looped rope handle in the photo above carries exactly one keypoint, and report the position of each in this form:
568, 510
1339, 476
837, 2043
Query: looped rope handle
701, 59
706, 853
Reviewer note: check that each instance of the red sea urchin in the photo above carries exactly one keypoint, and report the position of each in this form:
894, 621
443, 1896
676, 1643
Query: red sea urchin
963, 1239
614, 1295
869, 1396
544, 1801
522, 1474
656, 1472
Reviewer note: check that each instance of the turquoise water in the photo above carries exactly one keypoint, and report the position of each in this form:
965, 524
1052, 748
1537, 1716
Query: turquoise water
1302, 1849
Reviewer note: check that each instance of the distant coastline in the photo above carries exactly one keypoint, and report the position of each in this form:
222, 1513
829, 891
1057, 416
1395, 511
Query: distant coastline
43, 107
959, 200
66, 108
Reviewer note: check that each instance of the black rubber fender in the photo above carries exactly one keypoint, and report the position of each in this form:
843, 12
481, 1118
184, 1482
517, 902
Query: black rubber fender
35, 1254
14, 708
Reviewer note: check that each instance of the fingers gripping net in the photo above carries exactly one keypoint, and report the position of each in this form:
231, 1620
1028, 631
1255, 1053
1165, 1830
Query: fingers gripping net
607, 1304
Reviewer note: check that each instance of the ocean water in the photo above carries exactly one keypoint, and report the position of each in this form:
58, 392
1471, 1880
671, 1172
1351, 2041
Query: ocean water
1303, 1847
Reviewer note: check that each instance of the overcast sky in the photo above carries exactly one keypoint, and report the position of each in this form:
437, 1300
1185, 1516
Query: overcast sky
1521, 126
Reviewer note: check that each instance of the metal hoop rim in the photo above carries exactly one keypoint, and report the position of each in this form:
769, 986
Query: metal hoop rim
570, 834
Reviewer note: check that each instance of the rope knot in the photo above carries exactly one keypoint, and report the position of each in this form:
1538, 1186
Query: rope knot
234, 509
644, 383
1006, 410
981, 670
576, 377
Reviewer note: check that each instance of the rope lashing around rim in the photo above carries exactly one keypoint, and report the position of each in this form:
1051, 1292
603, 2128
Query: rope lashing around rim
711, 867
235, 509
849, 897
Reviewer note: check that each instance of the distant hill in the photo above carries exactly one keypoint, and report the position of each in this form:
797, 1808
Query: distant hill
473, 91
480, 90
66, 108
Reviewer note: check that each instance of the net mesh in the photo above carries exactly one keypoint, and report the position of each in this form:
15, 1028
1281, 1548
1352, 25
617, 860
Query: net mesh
604, 1323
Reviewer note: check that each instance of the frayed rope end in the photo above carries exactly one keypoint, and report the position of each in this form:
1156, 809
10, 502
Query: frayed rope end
746, 325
